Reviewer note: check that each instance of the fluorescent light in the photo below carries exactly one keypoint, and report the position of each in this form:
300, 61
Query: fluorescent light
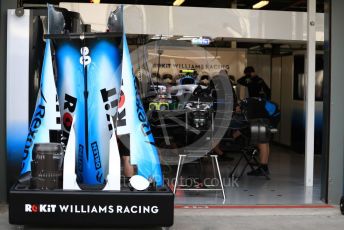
189, 36
178, 2
161, 36
260, 4
184, 39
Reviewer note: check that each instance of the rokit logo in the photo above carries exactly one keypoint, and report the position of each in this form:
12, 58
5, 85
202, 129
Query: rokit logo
40, 208
111, 102
121, 115
92, 209
67, 118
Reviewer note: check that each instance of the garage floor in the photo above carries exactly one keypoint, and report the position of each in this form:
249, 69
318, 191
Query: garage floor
248, 219
285, 187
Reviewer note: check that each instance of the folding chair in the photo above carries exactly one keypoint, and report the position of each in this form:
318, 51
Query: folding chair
249, 155
259, 132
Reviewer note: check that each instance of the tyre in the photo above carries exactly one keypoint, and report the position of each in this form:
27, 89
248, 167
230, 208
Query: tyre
342, 205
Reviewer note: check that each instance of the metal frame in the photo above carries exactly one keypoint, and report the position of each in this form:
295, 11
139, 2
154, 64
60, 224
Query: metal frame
21, 3
310, 95
214, 162
335, 51
2, 118
4, 5
198, 154
326, 106
17, 87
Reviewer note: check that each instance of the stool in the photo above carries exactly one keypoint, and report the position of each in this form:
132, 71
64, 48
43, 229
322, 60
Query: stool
214, 161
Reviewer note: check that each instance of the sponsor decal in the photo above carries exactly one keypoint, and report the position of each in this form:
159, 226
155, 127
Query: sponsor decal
121, 114
108, 97
192, 66
99, 176
35, 124
67, 118
141, 115
121, 121
96, 156
121, 100
97, 161
39, 208
97, 209
80, 159
85, 59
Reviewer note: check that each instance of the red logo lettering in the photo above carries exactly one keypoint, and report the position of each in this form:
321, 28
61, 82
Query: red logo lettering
67, 120
34, 208
121, 100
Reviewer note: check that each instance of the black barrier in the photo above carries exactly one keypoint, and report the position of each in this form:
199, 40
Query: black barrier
71, 208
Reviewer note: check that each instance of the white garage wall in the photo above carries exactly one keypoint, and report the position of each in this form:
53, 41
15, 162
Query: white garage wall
213, 22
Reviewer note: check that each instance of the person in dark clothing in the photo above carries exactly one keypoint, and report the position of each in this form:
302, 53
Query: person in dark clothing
123, 142
256, 86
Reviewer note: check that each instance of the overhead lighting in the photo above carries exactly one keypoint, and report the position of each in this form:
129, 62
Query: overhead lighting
184, 39
189, 36
260, 4
161, 37
178, 2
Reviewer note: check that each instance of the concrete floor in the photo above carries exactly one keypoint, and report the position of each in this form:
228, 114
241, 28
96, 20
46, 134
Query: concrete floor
285, 187
255, 219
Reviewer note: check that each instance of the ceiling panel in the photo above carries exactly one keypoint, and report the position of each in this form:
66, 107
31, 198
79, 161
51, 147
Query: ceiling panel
285, 5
